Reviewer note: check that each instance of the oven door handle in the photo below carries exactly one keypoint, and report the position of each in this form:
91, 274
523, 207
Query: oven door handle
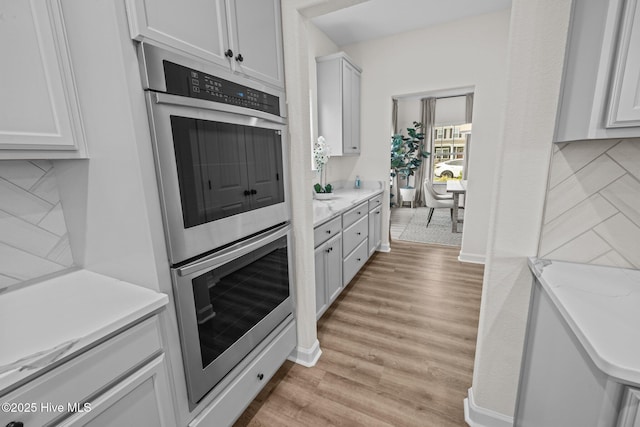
233, 252
168, 99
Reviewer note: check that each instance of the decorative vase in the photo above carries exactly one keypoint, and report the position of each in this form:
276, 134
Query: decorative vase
323, 196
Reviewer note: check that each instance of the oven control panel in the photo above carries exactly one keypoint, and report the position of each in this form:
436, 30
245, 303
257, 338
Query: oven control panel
185, 81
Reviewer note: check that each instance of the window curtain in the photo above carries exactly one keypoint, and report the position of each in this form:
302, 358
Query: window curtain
428, 107
468, 116
395, 183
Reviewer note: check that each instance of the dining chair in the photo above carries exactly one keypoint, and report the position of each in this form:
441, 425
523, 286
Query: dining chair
434, 200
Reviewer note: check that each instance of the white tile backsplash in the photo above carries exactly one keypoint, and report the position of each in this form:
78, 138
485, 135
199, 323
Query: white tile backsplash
33, 233
592, 211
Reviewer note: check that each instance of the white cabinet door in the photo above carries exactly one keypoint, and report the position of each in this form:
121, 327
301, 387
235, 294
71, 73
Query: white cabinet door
321, 282
351, 108
198, 27
624, 108
333, 268
38, 104
375, 229
339, 103
142, 400
630, 409
257, 39
328, 257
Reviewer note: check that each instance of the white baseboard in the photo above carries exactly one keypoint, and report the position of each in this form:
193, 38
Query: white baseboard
477, 416
471, 258
384, 248
307, 357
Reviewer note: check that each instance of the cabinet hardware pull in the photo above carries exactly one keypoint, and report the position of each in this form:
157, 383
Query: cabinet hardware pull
358, 212
15, 424
228, 53
260, 376
378, 213
355, 148
254, 191
358, 259
239, 58
358, 233
328, 231
247, 193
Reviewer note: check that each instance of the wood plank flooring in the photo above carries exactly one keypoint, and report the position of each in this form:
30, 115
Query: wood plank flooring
397, 348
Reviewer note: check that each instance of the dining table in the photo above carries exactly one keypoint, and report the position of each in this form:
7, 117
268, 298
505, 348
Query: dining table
456, 187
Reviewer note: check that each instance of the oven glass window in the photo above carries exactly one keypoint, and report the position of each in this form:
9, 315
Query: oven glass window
233, 298
225, 169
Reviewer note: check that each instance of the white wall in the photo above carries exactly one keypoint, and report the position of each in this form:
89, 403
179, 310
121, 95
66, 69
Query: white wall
404, 64
536, 52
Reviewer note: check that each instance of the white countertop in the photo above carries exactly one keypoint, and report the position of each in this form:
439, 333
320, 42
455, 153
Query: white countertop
344, 199
47, 321
601, 305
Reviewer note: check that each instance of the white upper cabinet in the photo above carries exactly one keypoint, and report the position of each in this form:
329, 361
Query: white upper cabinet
39, 114
243, 36
339, 103
600, 92
624, 108
257, 39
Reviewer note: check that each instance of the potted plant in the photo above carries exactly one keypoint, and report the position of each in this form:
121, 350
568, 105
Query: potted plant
407, 153
321, 155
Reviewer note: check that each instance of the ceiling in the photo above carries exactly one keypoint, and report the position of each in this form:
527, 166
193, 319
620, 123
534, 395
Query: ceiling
374, 19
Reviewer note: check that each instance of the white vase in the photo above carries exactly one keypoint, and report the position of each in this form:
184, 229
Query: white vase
323, 196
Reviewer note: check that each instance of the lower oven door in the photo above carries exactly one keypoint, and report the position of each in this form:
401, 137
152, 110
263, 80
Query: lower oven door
228, 302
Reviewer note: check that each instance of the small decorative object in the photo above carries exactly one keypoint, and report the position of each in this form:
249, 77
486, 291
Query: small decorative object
357, 183
321, 155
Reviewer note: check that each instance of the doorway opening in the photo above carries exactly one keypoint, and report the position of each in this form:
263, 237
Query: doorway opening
422, 205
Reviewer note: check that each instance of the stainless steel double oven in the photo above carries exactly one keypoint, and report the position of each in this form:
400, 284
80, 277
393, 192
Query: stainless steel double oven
220, 153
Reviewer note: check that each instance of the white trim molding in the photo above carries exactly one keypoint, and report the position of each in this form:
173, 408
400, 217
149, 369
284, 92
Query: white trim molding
476, 416
307, 357
384, 248
471, 258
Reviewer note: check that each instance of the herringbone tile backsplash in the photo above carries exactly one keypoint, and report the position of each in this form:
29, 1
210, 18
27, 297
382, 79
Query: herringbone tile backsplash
33, 234
592, 213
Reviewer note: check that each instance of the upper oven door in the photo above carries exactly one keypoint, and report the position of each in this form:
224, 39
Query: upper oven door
221, 174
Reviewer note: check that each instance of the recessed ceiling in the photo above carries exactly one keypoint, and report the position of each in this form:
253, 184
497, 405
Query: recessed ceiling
381, 18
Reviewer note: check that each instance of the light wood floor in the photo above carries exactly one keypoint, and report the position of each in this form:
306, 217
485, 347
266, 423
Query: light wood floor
397, 348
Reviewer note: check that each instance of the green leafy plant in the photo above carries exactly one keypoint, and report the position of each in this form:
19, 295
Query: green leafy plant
320, 189
407, 152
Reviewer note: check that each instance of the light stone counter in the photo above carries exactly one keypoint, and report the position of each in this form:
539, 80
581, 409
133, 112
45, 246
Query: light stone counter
601, 306
344, 199
49, 321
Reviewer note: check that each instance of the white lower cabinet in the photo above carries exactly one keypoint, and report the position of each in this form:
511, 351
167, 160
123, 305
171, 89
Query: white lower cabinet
354, 262
375, 229
630, 409
122, 381
342, 247
328, 258
142, 400
560, 385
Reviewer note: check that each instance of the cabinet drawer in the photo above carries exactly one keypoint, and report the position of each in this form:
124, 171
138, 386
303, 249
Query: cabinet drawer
354, 262
324, 232
374, 202
236, 397
75, 381
354, 214
354, 235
